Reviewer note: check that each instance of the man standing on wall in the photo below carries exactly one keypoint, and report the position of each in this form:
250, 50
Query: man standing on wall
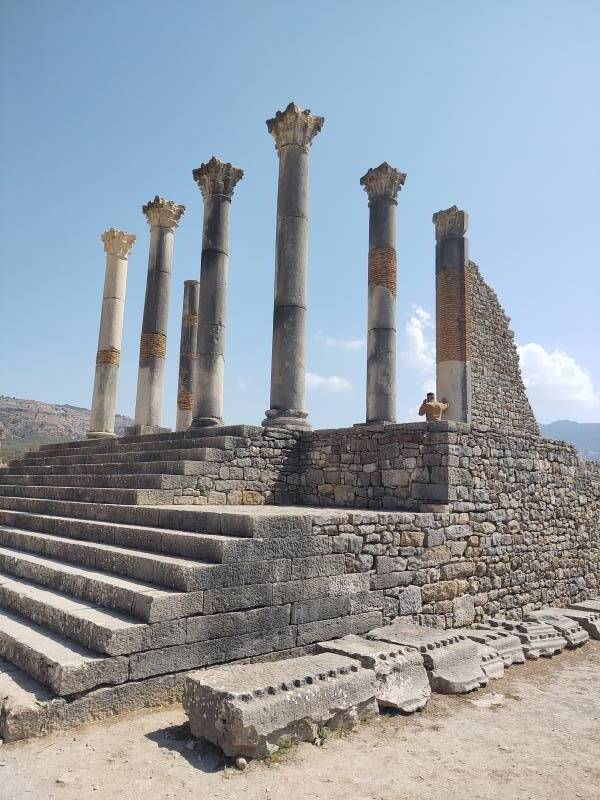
432, 409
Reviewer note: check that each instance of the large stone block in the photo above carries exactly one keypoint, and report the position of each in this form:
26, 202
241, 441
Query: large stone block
451, 660
589, 620
507, 645
568, 628
249, 710
403, 681
491, 662
537, 638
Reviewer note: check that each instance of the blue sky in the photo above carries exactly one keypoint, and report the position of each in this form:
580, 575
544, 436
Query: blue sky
492, 106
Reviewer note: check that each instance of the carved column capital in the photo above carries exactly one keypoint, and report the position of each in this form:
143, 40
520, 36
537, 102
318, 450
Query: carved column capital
295, 126
163, 213
383, 181
217, 177
117, 243
452, 222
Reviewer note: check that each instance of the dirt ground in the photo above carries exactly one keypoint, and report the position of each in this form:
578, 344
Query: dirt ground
533, 735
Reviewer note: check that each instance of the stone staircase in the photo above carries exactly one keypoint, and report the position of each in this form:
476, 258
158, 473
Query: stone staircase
107, 586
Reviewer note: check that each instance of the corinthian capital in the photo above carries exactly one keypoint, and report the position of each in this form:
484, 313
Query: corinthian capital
217, 177
383, 181
294, 126
451, 222
163, 213
117, 243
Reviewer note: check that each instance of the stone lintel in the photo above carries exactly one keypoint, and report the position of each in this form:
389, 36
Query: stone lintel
450, 223
383, 181
162, 213
294, 126
117, 243
217, 177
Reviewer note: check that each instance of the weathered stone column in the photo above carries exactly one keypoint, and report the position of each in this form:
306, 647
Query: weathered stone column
453, 313
163, 217
293, 131
217, 181
382, 185
117, 246
187, 355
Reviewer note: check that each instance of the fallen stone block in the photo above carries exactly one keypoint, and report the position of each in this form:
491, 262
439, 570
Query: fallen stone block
249, 710
507, 645
401, 674
537, 638
568, 628
452, 661
589, 620
587, 605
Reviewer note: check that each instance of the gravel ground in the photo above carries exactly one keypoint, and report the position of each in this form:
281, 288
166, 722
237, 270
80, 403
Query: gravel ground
533, 735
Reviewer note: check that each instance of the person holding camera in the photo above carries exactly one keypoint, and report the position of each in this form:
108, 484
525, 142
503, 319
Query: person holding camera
432, 409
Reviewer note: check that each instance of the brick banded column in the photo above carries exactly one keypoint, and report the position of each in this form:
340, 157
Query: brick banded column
187, 355
453, 313
293, 131
117, 246
163, 217
216, 180
382, 185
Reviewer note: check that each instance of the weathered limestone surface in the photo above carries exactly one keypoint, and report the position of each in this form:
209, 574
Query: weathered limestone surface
117, 245
452, 661
537, 638
293, 131
187, 355
589, 620
217, 181
163, 217
591, 604
382, 185
507, 645
250, 710
403, 681
569, 629
492, 662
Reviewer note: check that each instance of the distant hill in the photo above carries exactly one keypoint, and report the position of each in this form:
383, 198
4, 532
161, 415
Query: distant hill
584, 435
30, 423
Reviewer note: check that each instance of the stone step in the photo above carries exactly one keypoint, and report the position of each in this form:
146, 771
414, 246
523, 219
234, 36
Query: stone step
214, 548
203, 468
208, 443
90, 445
99, 629
139, 481
125, 457
246, 521
173, 572
140, 599
64, 666
90, 495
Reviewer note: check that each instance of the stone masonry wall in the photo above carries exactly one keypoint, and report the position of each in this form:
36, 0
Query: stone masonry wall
498, 396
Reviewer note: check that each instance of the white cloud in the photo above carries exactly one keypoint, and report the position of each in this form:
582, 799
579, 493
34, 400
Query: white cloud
342, 344
332, 383
558, 387
419, 342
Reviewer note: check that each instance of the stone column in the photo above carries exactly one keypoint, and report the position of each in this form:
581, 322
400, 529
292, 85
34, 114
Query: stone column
187, 355
163, 217
453, 313
293, 131
382, 185
217, 181
117, 246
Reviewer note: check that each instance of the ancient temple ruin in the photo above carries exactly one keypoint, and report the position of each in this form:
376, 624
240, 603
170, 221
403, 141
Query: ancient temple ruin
126, 562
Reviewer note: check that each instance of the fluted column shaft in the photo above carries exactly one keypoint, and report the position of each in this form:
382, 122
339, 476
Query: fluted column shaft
382, 185
117, 246
217, 181
163, 217
293, 131
187, 355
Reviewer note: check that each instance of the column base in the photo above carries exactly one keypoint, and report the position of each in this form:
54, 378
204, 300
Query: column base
145, 430
291, 419
206, 422
100, 435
